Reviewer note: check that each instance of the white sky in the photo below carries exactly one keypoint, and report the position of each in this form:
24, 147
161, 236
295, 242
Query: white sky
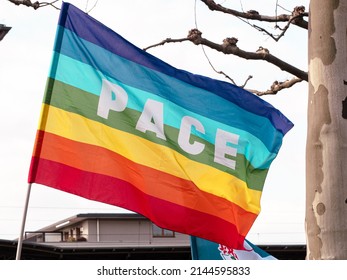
25, 55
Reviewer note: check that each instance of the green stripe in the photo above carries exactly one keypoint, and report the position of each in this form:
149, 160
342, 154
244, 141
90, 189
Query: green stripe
65, 97
85, 77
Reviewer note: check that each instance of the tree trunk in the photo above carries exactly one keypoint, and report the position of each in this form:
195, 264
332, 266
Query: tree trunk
326, 150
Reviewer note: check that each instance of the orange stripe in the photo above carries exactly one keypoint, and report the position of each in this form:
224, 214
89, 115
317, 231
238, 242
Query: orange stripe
150, 181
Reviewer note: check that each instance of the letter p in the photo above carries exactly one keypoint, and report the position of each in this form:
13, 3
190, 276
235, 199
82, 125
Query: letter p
112, 97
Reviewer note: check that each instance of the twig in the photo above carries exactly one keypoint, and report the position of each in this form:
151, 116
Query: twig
167, 40
96, 2
284, 29
277, 86
245, 83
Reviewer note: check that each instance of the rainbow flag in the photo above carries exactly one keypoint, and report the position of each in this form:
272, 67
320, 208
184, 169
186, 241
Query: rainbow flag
122, 127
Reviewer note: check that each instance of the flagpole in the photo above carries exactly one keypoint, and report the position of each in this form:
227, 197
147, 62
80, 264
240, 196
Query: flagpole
21, 235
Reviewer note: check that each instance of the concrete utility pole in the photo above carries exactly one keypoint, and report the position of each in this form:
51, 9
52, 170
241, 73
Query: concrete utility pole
326, 207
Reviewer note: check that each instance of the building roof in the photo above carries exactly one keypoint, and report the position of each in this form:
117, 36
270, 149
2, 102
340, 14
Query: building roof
85, 216
39, 251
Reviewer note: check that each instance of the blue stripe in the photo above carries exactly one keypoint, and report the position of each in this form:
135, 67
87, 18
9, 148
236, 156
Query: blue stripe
192, 98
86, 78
93, 31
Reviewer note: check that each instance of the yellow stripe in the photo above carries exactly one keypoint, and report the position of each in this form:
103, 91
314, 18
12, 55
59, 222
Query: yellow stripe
139, 150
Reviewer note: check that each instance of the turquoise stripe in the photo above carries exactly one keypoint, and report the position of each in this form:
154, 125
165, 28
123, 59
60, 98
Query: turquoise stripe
85, 77
185, 95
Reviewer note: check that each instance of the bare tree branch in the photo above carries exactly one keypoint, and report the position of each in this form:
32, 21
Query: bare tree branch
34, 5
254, 15
229, 47
285, 28
276, 87
167, 40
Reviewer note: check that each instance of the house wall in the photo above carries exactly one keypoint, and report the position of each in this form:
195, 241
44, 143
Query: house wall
129, 232
122, 232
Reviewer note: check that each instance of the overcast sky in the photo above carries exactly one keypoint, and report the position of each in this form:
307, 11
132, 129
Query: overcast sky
25, 56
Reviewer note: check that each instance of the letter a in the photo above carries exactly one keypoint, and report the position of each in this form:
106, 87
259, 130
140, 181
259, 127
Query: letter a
151, 118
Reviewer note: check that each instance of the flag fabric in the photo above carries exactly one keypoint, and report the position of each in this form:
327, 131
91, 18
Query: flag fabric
207, 250
122, 127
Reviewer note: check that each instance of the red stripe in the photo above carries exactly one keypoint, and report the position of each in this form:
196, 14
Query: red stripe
118, 192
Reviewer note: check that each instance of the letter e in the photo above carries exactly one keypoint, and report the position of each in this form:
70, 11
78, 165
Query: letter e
223, 148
